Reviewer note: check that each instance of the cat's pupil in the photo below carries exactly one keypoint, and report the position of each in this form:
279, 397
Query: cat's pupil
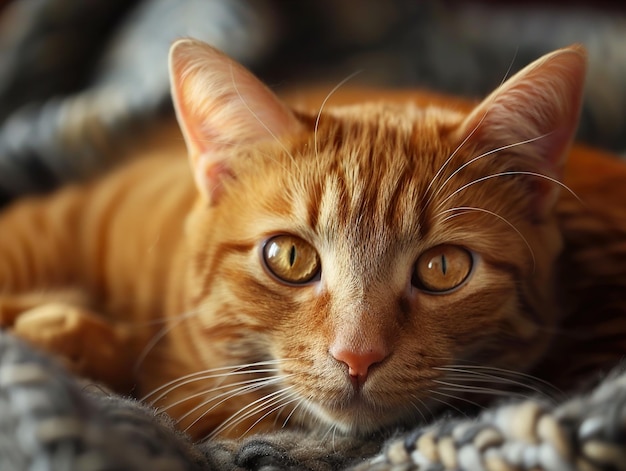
444, 268
292, 255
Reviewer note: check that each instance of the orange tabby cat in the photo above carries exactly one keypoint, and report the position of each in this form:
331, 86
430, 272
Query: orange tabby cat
348, 268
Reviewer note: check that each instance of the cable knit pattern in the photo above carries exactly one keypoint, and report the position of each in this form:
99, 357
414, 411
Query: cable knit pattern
586, 432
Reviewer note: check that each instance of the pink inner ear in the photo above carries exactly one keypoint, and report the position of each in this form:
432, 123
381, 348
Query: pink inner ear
219, 105
210, 175
541, 103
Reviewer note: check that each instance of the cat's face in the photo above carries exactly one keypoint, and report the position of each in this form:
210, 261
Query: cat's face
367, 258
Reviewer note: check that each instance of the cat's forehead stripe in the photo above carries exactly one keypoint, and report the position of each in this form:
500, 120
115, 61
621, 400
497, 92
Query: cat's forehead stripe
368, 172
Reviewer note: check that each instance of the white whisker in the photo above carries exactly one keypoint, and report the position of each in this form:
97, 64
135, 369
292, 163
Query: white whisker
334, 436
237, 388
466, 209
467, 138
458, 398
463, 383
282, 405
250, 409
319, 113
159, 336
225, 396
223, 371
417, 408
461, 387
450, 157
445, 403
292, 412
510, 173
485, 154
489, 373
508, 70
330, 430
234, 394
256, 116
211, 376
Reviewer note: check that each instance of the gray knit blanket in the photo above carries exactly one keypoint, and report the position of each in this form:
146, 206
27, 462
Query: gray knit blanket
81, 79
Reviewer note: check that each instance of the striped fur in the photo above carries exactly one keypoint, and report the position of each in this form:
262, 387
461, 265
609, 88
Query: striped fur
171, 259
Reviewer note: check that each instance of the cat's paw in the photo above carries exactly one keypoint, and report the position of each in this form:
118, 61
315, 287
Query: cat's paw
88, 345
12, 306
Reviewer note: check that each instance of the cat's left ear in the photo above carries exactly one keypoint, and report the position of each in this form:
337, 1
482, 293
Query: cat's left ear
534, 114
220, 105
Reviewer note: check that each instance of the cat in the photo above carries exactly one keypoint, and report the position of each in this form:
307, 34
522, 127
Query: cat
347, 268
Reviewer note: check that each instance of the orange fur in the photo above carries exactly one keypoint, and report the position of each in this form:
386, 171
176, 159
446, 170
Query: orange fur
172, 259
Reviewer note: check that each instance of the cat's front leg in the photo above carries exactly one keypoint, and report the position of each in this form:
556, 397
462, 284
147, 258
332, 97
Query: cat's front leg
13, 305
87, 344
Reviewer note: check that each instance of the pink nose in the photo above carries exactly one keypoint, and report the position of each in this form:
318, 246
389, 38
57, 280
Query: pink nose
359, 363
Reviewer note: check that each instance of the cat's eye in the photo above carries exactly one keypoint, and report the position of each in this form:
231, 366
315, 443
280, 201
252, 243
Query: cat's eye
291, 259
442, 268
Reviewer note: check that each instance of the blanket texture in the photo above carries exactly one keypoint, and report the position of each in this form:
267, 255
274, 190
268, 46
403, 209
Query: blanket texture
80, 80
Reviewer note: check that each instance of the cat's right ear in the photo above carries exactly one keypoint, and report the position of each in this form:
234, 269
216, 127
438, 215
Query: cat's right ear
533, 115
219, 105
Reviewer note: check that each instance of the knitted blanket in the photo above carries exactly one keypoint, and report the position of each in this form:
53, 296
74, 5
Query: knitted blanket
52, 421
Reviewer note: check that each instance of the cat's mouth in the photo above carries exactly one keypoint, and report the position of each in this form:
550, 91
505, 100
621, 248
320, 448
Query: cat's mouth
359, 413
360, 419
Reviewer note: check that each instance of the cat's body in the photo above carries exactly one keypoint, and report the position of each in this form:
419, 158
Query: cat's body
351, 328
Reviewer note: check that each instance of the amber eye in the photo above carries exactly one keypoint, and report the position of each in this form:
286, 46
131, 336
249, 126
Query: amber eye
291, 259
442, 268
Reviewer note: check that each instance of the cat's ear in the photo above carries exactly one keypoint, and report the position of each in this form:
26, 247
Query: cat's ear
220, 104
534, 114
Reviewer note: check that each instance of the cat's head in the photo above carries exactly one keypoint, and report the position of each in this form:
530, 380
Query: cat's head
372, 255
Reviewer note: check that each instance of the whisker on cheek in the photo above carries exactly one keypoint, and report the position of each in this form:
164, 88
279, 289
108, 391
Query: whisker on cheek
300, 402
331, 429
254, 407
465, 388
233, 390
228, 395
506, 376
456, 398
446, 403
420, 402
222, 377
282, 404
177, 321
219, 372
